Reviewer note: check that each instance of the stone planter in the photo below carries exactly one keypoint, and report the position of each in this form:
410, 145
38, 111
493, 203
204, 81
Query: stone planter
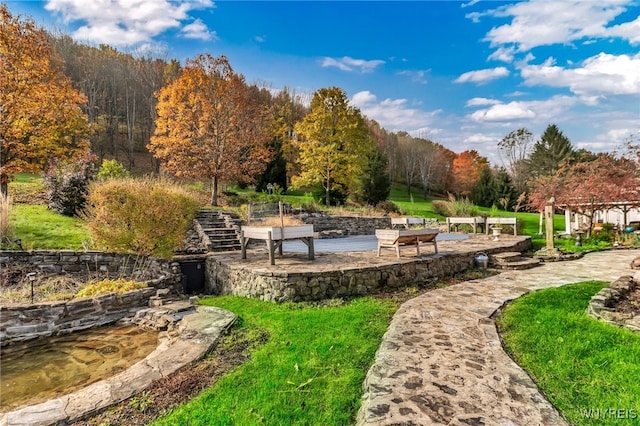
496, 232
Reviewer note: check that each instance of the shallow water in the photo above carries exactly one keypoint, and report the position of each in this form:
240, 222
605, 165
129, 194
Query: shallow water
64, 364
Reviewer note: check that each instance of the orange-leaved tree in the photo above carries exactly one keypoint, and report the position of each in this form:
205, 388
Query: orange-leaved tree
210, 126
466, 170
40, 114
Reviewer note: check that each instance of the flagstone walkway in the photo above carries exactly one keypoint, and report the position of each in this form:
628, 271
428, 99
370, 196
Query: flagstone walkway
441, 361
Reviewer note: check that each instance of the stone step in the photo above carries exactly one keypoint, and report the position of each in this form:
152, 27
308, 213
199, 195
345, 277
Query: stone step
507, 256
525, 263
219, 230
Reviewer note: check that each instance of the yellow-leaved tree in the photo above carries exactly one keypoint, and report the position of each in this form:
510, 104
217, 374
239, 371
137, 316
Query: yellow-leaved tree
210, 126
40, 114
334, 143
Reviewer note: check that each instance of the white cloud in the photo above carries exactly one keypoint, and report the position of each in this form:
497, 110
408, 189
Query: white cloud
504, 112
348, 63
603, 74
198, 30
481, 138
528, 111
415, 76
123, 23
482, 102
394, 114
627, 30
504, 54
542, 22
471, 3
482, 76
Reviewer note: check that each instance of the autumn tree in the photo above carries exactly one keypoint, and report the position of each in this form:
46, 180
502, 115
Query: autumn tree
333, 143
601, 184
286, 110
210, 126
40, 114
467, 167
548, 153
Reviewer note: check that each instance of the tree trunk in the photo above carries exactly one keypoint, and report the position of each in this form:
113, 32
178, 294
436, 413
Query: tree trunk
327, 198
214, 191
4, 186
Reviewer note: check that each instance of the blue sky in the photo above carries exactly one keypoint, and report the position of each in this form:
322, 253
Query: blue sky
463, 74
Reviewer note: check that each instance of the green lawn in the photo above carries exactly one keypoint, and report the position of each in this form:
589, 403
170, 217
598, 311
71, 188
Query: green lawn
309, 372
41, 228
579, 363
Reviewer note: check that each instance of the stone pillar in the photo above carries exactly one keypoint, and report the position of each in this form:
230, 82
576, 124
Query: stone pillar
548, 215
567, 221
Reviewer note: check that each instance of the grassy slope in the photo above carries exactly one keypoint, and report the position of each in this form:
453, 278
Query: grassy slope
41, 228
310, 371
578, 362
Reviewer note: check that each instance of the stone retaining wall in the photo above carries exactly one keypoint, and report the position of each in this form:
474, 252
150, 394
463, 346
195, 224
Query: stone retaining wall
29, 321
351, 225
287, 286
26, 322
601, 305
83, 262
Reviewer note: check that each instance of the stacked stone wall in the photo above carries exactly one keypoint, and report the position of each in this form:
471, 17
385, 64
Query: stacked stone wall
29, 321
285, 286
602, 304
26, 322
350, 225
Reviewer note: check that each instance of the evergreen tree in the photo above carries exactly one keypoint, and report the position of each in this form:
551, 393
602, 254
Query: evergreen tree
376, 182
550, 152
505, 193
483, 192
276, 171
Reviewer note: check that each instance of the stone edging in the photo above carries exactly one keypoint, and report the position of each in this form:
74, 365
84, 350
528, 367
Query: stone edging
601, 305
198, 334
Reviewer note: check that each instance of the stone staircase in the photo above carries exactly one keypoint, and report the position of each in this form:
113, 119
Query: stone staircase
218, 231
512, 261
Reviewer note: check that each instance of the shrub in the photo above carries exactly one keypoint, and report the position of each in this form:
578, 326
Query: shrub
67, 186
440, 207
388, 207
112, 169
143, 216
107, 285
462, 207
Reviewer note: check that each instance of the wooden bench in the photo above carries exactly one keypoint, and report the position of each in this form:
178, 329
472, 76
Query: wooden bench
502, 221
473, 221
406, 222
394, 238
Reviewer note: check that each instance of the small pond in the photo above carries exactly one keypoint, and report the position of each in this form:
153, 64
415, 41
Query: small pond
31, 374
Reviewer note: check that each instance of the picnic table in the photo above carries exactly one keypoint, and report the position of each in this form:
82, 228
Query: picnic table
394, 238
